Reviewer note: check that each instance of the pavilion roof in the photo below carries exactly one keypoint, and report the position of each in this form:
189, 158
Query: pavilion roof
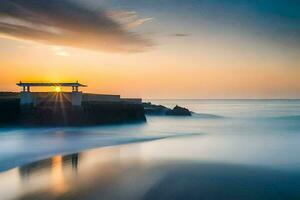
49, 84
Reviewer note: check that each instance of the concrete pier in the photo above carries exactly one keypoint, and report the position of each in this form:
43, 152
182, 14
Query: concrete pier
73, 108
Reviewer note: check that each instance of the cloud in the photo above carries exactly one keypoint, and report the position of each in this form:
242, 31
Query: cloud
66, 23
180, 35
129, 19
138, 22
123, 15
59, 51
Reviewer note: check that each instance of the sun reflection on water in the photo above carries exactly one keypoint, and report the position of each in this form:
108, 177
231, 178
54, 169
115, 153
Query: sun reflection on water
57, 173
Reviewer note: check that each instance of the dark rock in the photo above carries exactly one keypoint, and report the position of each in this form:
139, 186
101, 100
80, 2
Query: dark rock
179, 111
152, 109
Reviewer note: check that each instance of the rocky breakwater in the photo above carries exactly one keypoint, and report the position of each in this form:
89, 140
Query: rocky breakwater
152, 109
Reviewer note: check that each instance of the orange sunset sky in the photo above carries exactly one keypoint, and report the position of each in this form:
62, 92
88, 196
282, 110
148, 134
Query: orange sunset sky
154, 49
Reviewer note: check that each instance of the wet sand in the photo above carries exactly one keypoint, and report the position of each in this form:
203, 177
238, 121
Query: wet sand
151, 170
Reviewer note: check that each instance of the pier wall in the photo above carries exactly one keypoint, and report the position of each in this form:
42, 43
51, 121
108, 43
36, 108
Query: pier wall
75, 98
62, 113
132, 100
101, 98
27, 98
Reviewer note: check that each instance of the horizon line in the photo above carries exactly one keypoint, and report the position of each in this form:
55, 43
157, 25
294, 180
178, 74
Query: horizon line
181, 99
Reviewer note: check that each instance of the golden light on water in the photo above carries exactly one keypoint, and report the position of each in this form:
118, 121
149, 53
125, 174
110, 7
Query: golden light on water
58, 175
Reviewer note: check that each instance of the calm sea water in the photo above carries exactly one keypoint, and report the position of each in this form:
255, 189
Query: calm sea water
228, 149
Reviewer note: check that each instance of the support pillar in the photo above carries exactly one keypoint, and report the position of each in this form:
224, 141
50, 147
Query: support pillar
76, 98
27, 98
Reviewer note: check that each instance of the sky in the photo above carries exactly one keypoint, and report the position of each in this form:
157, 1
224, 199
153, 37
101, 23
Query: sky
154, 48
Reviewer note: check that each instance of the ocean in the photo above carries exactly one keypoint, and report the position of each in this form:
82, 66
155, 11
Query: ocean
228, 149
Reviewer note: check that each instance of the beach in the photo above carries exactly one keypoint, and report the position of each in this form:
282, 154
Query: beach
228, 149
149, 100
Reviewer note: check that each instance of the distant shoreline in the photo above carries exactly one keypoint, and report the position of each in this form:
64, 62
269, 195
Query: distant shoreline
188, 99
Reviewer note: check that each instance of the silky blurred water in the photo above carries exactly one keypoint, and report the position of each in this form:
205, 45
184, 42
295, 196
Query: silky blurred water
239, 108
262, 118
256, 141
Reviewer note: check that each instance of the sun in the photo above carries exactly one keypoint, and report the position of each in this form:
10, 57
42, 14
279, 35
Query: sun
57, 89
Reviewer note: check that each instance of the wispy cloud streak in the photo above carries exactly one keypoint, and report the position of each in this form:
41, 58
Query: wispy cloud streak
129, 19
66, 23
180, 35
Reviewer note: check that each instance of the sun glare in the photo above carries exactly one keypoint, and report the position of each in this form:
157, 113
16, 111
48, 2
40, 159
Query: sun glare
57, 89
